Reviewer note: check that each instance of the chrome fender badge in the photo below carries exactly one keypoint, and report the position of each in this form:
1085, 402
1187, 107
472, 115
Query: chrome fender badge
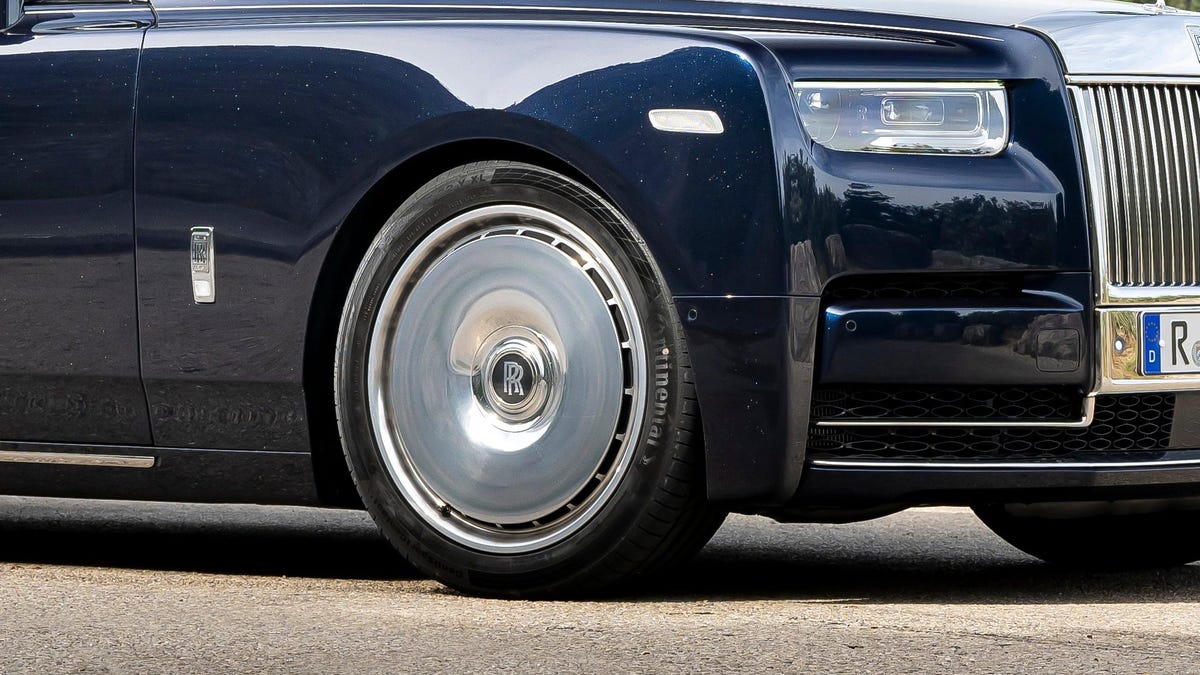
203, 263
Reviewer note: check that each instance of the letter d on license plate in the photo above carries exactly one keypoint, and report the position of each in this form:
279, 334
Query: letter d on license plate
1171, 343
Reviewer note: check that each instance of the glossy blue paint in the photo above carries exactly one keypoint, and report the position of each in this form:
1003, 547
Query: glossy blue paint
861, 214
1036, 337
68, 340
754, 358
273, 140
989, 342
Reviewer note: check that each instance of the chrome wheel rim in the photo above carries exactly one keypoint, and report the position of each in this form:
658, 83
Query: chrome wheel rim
505, 378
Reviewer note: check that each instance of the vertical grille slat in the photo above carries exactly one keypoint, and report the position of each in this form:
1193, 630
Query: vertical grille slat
1166, 107
1118, 122
1191, 150
1152, 236
1182, 153
1166, 150
1137, 179
1144, 164
1178, 165
1118, 245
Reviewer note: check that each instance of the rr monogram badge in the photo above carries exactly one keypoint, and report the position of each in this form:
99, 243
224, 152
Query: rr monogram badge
513, 374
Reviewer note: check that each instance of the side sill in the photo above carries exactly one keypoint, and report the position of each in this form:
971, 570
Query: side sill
157, 474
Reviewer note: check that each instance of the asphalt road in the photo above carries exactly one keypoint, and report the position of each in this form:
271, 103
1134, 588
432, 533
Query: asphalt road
95, 587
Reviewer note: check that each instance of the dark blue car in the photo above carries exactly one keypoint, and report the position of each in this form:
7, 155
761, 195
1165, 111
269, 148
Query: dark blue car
550, 288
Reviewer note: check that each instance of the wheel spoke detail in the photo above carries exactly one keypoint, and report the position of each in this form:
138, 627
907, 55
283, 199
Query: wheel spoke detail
504, 353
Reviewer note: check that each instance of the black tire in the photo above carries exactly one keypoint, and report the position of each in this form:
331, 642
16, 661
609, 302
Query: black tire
1098, 540
654, 514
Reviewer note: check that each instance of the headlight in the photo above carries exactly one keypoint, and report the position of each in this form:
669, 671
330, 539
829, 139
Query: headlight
934, 118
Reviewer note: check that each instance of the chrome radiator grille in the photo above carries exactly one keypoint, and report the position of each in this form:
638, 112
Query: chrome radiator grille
1142, 145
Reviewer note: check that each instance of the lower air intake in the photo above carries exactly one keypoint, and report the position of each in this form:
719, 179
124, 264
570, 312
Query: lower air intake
1122, 423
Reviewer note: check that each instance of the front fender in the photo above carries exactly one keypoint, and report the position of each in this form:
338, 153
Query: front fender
272, 132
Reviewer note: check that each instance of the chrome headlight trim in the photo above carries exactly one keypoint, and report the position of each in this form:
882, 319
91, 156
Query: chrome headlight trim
960, 118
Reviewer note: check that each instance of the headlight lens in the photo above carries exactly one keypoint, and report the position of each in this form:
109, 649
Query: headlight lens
926, 118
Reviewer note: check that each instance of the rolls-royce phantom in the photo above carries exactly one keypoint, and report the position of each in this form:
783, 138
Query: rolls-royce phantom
550, 288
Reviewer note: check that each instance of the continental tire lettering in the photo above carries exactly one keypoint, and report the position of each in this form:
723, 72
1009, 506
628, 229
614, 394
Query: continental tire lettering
661, 393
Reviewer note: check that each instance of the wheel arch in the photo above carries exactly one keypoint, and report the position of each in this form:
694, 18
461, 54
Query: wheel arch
349, 245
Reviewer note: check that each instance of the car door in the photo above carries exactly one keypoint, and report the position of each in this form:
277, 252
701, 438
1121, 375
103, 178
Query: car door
68, 317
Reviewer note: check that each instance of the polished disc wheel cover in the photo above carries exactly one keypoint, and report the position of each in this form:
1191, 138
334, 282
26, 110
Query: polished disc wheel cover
504, 377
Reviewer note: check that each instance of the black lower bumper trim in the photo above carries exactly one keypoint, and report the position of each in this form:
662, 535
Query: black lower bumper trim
1085, 477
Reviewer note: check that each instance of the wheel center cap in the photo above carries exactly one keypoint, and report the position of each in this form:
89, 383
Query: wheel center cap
515, 377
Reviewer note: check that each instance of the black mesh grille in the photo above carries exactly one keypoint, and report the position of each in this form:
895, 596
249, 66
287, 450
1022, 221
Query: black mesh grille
948, 403
1122, 423
925, 287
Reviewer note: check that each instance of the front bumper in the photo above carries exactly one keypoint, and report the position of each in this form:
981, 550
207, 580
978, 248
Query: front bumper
1099, 213
1138, 437
758, 361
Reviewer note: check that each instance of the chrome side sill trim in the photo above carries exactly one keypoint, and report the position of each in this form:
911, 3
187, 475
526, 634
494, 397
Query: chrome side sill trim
1025, 466
1089, 413
76, 459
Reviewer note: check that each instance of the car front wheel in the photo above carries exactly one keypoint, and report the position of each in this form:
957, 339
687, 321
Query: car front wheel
513, 389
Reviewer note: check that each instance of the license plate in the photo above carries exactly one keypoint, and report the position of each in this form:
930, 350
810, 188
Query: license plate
1171, 343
